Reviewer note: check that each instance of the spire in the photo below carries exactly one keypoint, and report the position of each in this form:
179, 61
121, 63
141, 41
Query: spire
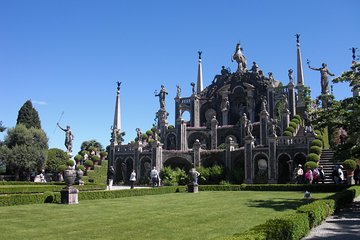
199, 77
117, 116
300, 73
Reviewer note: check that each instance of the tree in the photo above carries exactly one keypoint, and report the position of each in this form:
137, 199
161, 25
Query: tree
24, 150
91, 145
55, 158
28, 116
2, 127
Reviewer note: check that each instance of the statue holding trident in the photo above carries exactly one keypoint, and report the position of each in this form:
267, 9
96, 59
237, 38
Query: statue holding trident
324, 71
162, 94
68, 138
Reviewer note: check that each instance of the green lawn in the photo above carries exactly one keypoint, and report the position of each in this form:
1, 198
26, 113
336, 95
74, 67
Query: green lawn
205, 215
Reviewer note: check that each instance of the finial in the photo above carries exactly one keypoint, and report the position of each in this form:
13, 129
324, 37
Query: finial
353, 50
118, 85
199, 52
297, 38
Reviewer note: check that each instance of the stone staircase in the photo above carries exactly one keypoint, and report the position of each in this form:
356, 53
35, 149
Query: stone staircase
326, 160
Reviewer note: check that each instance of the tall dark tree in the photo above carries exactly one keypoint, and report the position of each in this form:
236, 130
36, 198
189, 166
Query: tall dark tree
28, 116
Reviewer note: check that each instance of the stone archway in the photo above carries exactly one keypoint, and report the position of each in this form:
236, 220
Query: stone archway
123, 170
178, 162
284, 171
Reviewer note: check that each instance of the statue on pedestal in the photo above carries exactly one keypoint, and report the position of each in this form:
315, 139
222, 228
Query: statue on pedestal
162, 94
324, 71
69, 137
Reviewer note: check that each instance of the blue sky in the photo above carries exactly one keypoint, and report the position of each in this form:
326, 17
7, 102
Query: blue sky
66, 56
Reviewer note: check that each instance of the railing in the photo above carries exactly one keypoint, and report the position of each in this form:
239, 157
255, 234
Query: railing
185, 100
125, 148
283, 140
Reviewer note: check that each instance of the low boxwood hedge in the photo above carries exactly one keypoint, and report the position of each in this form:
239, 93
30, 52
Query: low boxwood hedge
23, 189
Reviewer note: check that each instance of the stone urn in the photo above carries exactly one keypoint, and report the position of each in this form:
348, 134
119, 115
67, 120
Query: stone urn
69, 176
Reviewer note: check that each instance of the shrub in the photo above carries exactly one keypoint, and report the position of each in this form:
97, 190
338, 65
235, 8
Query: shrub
311, 164
293, 125
70, 163
290, 129
317, 142
287, 134
318, 132
88, 163
211, 175
317, 211
312, 157
81, 167
78, 158
149, 133
95, 158
349, 164
61, 168
315, 149
296, 121
171, 177
297, 117
319, 137
103, 154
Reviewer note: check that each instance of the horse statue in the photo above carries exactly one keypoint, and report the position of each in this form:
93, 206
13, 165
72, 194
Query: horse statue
239, 58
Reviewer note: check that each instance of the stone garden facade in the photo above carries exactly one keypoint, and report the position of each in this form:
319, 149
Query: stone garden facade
236, 122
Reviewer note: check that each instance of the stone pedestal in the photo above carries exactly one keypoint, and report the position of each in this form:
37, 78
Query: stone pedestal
193, 188
69, 195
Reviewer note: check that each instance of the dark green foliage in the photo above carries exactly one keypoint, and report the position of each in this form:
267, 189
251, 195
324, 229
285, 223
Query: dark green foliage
55, 158
317, 142
211, 175
81, 167
173, 177
28, 116
95, 158
91, 145
78, 158
2, 127
315, 149
312, 157
24, 149
297, 117
287, 134
349, 164
41, 188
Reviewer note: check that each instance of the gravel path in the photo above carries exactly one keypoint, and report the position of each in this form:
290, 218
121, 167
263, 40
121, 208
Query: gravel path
344, 225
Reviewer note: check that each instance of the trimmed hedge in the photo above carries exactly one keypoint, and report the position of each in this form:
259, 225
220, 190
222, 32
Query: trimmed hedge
275, 187
311, 165
317, 142
293, 125
287, 134
290, 129
27, 189
315, 149
312, 157
296, 225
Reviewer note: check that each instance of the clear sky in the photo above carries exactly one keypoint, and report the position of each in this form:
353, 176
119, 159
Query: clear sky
66, 56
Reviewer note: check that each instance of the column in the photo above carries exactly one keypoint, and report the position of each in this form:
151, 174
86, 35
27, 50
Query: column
273, 165
196, 149
214, 125
249, 163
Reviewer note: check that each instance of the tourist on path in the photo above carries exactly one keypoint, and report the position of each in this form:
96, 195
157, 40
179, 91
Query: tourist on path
299, 174
111, 175
308, 176
154, 174
132, 179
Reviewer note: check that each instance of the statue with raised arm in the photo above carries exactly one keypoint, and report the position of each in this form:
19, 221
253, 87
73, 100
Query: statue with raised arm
324, 72
162, 94
291, 80
69, 137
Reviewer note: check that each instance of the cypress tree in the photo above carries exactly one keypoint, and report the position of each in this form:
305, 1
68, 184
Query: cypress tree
28, 116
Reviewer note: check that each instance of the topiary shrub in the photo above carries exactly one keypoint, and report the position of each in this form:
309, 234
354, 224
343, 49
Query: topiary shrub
315, 149
296, 121
95, 158
287, 134
290, 129
317, 142
349, 164
293, 125
70, 163
318, 132
78, 158
81, 167
297, 117
88, 163
311, 165
61, 168
319, 137
313, 157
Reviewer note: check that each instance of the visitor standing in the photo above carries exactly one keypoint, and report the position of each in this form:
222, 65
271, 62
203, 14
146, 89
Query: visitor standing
154, 174
322, 174
111, 175
299, 174
308, 176
357, 174
341, 174
132, 178
316, 176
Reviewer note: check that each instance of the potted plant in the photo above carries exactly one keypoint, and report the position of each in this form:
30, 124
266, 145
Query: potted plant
69, 173
78, 159
349, 165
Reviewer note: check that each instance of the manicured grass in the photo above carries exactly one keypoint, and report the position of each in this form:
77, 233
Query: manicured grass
205, 215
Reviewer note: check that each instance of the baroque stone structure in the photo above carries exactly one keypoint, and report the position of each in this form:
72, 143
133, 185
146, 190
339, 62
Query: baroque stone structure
237, 122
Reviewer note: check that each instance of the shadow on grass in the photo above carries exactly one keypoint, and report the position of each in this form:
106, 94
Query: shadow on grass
279, 204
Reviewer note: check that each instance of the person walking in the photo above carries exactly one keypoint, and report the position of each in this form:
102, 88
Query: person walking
111, 174
299, 174
308, 176
322, 174
132, 179
154, 174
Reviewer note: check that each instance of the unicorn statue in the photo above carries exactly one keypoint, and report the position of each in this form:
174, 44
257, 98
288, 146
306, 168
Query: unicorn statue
239, 58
